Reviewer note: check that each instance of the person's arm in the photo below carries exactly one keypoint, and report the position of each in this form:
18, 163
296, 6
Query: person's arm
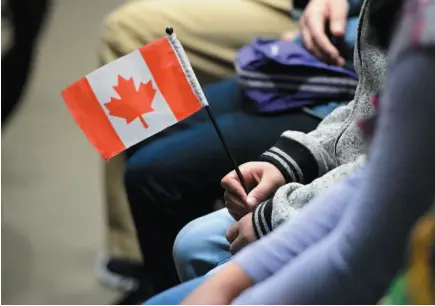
291, 198
356, 261
221, 288
303, 159
295, 160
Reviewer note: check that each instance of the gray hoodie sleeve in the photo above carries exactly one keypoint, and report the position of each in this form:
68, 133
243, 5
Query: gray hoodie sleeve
308, 163
313, 162
301, 157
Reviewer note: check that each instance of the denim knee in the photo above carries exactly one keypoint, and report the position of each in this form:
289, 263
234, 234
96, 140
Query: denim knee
190, 243
201, 245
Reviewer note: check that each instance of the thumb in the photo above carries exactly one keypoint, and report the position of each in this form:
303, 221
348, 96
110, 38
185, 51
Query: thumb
260, 193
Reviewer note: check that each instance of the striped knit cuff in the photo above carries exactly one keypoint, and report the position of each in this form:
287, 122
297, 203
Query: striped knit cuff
294, 160
262, 219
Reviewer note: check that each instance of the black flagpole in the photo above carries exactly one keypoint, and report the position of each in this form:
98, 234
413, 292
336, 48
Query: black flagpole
227, 149
169, 31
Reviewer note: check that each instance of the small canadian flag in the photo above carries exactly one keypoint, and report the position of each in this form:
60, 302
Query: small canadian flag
135, 97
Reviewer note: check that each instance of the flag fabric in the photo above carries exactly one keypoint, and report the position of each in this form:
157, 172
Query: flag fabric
135, 97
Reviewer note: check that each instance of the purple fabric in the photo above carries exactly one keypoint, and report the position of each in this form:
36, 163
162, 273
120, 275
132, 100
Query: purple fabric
260, 56
281, 75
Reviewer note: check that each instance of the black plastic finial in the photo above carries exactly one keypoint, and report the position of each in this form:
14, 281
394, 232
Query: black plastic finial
169, 30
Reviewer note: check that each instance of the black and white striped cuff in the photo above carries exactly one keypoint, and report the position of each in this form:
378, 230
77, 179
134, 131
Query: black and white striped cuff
294, 160
262, 219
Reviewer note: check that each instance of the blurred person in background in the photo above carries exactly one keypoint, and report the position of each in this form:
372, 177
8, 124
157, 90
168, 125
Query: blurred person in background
26, 19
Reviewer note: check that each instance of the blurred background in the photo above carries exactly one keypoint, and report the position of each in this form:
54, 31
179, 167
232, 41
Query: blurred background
52, 198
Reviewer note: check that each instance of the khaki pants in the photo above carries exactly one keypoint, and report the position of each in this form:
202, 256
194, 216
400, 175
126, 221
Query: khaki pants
211, 32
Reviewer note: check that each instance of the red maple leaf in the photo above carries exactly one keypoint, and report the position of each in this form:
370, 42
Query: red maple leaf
132, 103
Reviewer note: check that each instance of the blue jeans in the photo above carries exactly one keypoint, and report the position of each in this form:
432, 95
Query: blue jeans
201, 245
174, 177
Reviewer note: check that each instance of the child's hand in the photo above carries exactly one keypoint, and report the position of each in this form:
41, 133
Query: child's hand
262, 178
241, 234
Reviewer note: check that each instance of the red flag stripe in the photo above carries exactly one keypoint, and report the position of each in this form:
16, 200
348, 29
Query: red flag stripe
87, 112
170, 78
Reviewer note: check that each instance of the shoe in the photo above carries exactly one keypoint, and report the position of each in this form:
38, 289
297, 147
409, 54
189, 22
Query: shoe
122, 274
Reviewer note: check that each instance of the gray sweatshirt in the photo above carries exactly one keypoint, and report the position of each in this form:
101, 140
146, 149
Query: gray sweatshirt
313, 162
